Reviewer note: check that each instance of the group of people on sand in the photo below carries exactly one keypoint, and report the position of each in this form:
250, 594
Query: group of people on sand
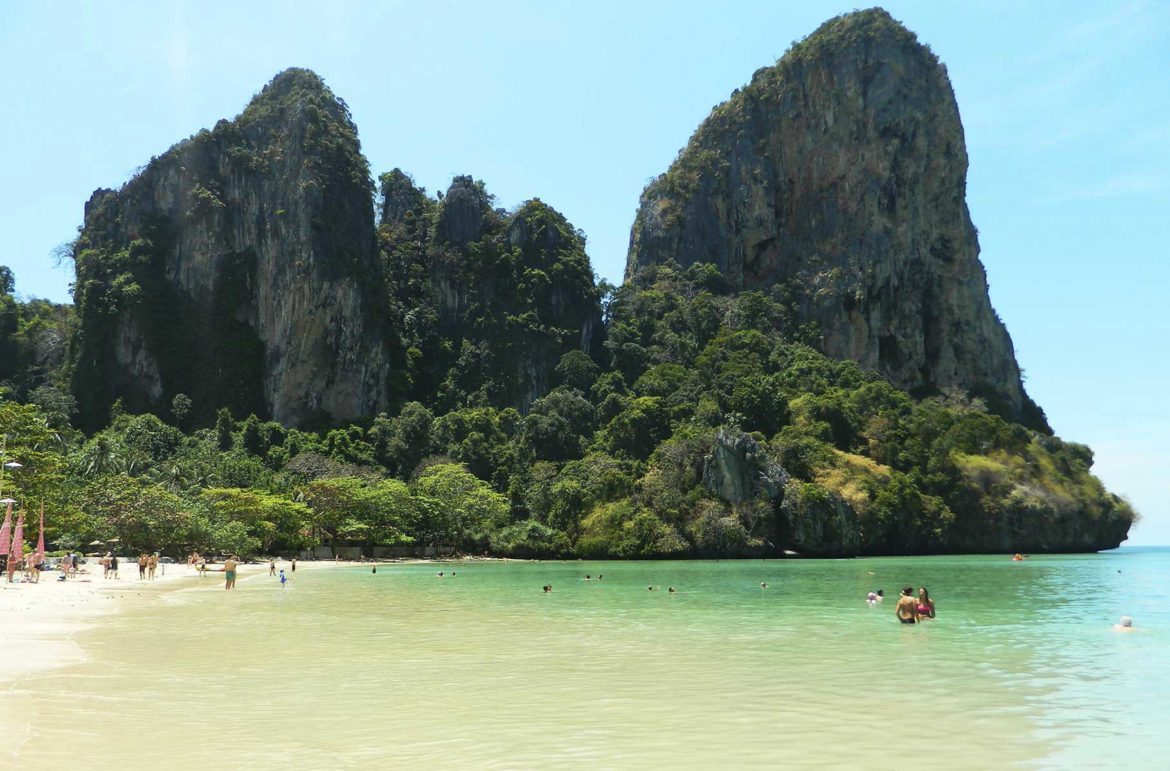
29, 567
110, 565
147, 566
911, 609
198, 563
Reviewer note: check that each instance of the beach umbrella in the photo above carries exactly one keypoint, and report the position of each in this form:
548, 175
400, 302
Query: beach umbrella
6, 528
18, 540
39, 554
97, 543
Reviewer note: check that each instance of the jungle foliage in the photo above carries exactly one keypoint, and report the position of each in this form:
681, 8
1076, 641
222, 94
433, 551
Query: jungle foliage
618, 455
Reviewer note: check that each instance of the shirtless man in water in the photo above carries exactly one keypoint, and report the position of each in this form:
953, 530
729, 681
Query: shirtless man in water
229, 572
907, 608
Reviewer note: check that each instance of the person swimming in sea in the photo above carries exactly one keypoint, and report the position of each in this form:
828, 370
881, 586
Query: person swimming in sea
873, 598
907, 608
670, 589
763, 584
1125, 624
588, 577
547, 588
925, 606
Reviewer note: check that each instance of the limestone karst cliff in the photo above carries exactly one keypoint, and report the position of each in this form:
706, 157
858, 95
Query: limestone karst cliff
821, 207
487, 301
837, 180
239, 268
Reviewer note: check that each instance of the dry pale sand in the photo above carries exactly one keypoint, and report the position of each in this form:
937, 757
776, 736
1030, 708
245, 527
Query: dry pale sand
38, 622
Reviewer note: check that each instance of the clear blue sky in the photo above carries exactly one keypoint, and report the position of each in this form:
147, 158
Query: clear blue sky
1066, 107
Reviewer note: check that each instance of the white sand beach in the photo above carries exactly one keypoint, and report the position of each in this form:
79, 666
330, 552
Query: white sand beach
38, 622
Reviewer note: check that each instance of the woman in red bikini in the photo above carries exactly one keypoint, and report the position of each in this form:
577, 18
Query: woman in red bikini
925, 604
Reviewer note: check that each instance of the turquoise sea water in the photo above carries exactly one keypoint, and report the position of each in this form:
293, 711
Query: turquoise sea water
346, 669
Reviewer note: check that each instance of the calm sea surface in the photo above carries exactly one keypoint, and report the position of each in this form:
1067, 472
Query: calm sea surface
346, 669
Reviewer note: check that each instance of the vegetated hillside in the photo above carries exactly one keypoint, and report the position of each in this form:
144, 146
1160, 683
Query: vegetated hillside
486, 301
837, 180
530, 411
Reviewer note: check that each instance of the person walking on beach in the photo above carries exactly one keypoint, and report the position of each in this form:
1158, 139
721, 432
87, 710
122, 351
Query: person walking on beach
229, 572
152, 566
283, 579
272, 567
106, 565
142, 566
907, 609
114, 565
294, 564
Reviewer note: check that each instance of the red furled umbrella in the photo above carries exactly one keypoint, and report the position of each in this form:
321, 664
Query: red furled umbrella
18, 540
6, 531
40, 552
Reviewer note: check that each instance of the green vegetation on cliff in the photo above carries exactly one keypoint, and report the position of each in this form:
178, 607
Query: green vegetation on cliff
486, 301
708, 429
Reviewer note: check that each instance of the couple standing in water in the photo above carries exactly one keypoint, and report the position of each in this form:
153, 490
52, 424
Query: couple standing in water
911, 609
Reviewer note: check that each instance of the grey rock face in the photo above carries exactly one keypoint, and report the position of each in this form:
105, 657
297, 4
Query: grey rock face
400, 196
269, 228
840, 175
738, 469
463, 213
827, 526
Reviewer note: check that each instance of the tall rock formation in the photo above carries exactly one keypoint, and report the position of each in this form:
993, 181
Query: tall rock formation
487, 301
240, 268
838, 177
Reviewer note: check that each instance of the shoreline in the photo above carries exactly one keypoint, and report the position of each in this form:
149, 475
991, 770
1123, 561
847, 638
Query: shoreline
39, 622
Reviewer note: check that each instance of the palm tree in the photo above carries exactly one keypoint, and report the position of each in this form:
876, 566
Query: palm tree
99, 457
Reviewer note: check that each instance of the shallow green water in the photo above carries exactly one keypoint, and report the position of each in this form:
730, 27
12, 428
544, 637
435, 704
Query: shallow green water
348, 669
